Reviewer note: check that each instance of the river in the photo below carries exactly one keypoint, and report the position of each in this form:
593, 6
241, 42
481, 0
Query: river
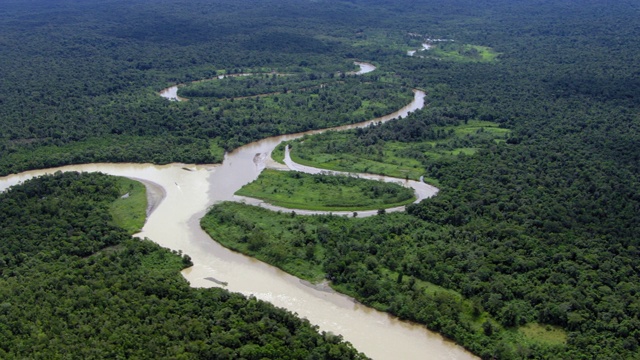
185, 192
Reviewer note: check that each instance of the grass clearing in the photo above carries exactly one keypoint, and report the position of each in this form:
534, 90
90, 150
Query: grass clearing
295, 190
215, 149
394, 166
465, 151
544, 334
463, 52
129, 211
278, 153
475, 127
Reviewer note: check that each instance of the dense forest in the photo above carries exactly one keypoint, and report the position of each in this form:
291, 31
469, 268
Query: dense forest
80, 82
538, 231
244, 85
73, 285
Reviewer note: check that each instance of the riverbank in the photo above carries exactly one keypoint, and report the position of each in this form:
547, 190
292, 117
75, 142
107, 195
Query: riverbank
155, 194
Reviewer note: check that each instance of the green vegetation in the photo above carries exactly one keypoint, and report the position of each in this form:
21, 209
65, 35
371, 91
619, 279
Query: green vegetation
547, 334
540, 227
129, 212
296, 190
386, 163
56, 111
278, 153
402, 149
353, 100
71, 283
462, 52
110, 149
261, 233
254, 84
384, 40
384, 271
200, 130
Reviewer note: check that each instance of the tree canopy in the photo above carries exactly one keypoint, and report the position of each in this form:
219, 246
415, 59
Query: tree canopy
538, 231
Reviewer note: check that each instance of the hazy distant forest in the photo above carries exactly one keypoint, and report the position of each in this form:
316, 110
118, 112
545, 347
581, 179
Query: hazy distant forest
530, 250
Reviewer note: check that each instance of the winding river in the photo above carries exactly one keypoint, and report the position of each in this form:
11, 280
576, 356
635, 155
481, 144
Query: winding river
182, 195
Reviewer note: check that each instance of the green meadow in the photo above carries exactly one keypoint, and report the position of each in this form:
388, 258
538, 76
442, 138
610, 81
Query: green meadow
296, 190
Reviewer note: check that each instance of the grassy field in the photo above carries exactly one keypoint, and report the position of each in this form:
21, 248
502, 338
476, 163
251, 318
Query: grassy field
544, 334
129, 212
216, 150
463, 52
278, 153
476, 126
295, 190
404, 160
390, 164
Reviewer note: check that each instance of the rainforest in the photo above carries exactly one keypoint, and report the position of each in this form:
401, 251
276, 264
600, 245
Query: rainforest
524, 120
